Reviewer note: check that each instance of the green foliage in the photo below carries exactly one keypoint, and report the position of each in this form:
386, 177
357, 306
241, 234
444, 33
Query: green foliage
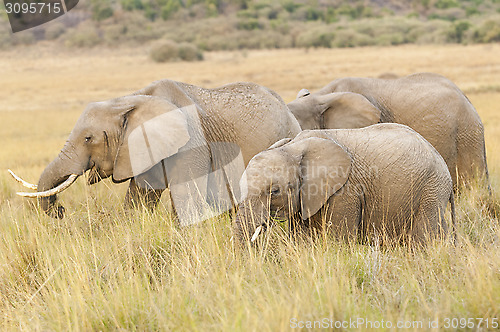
457, 31
249, 24
313, 14
350, 11
488, 32
101, 10
170, 7
291, 6
471, 10
443, 4
242, 24
132, 4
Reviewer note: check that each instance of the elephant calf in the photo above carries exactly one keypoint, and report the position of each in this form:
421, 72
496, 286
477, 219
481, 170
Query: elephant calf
384, 179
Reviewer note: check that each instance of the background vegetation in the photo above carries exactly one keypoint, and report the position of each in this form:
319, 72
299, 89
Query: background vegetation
212, 25
104, 268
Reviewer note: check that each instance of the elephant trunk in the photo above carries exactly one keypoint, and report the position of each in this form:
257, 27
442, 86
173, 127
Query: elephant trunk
54, 174
250, 222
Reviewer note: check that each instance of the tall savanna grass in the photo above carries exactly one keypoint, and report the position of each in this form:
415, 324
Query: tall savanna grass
107, 268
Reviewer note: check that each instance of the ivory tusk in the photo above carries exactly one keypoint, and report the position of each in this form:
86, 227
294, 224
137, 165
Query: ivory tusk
72, 178
21, 181
256, 234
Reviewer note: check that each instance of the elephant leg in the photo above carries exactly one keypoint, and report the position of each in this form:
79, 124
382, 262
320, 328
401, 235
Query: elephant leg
138, 196
145, 189
471, 161
429, 222
342, 217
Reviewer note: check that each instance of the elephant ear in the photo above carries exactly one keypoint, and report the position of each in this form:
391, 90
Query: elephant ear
153, 129
347, 110
325, 167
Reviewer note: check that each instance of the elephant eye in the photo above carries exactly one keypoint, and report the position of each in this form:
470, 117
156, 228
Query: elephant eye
275, 191
88, 139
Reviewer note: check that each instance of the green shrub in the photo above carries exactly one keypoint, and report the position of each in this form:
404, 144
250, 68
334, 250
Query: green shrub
101, 10
165, 51
471, 10
131, 4
248, 13
488, 32
189, 52
249, 24
171, 7
313, 14
355, 12
291, 6
456, 33
443, 4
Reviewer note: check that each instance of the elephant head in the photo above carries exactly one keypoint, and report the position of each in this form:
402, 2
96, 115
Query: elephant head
337, 110
290, 179
118, 138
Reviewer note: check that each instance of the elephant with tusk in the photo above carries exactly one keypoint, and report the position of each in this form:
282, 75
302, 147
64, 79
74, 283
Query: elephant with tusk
430, 104
193, 140
384, 180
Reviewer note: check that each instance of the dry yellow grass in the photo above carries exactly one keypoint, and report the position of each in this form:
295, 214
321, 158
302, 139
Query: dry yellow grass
105, 268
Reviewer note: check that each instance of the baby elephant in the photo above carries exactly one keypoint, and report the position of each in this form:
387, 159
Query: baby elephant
382, 181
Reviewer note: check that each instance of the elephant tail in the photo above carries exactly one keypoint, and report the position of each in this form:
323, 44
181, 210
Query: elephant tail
453, 218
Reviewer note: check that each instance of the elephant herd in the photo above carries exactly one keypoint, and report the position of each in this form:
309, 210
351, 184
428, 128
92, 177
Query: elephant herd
360, 158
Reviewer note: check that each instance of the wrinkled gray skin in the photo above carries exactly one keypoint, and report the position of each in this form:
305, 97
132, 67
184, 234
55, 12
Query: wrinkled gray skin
249, 115
352, 183
429, 103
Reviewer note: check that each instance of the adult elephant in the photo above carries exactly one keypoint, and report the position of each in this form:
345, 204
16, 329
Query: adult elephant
384, 180
429, 103
194, 140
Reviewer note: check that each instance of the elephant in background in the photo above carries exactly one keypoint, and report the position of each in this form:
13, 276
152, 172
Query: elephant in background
429, 103
384, 180
195, 141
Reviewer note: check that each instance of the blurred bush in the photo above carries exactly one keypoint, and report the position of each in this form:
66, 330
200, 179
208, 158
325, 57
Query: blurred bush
189, 52
488, 32
209, 25
167, 51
